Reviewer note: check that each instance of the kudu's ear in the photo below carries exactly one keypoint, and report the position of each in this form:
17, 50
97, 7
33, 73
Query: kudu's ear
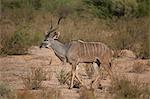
56, 35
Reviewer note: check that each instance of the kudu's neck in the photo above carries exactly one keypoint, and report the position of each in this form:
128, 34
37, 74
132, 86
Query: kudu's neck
59, 48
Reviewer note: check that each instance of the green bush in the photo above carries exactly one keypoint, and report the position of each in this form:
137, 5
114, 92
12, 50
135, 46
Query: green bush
60, 7
36, 38
10, 4
110, 8
17, 43
17, 4
143, 8
100, 8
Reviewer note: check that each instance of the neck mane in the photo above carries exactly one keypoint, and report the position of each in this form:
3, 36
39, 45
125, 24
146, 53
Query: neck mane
59, 48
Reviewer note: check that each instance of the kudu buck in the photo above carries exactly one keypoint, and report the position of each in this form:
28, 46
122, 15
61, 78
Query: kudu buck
76, 52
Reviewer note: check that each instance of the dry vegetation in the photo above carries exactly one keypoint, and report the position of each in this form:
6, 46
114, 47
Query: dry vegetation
139, 67
62, 77
23, 23
33, 80
87, 93
33, 88
89, 70
7, 93
125, 88
129, 34
4, 89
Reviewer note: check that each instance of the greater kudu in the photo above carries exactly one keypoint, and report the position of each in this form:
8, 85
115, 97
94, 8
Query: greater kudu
76, 52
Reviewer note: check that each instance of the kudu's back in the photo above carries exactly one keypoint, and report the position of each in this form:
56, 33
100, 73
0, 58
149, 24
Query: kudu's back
88, 52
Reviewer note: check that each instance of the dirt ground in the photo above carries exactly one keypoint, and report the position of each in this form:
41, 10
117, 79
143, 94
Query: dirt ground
12, 67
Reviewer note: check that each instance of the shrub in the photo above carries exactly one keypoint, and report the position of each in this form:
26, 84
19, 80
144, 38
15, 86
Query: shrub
100, 8
36, 38
131, 34
15, 4
143, 8
17, 43
4, 90
9, 4
65, 78
112, 8
33, 79
61, 76
123, 88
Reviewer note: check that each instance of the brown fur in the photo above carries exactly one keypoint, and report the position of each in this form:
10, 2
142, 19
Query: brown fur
82, 52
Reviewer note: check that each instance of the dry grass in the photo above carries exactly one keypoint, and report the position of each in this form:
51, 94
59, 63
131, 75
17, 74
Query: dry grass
125, 33
36, 94
123, 88
132, 34
89, 70
85, 29
52, 94
139, 67
33, 79
87, 93
103, 73
65, 78
61, 76
39, 94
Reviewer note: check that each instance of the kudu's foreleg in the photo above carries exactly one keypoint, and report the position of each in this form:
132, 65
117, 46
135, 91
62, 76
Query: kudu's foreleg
73, 71
75, 75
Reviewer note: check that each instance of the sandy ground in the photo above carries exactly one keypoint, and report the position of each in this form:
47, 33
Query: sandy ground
12, 67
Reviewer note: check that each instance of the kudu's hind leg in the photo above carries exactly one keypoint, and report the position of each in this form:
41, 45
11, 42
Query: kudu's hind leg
107, 67
96, 69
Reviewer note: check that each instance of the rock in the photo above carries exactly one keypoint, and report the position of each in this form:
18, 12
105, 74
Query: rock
126, 54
